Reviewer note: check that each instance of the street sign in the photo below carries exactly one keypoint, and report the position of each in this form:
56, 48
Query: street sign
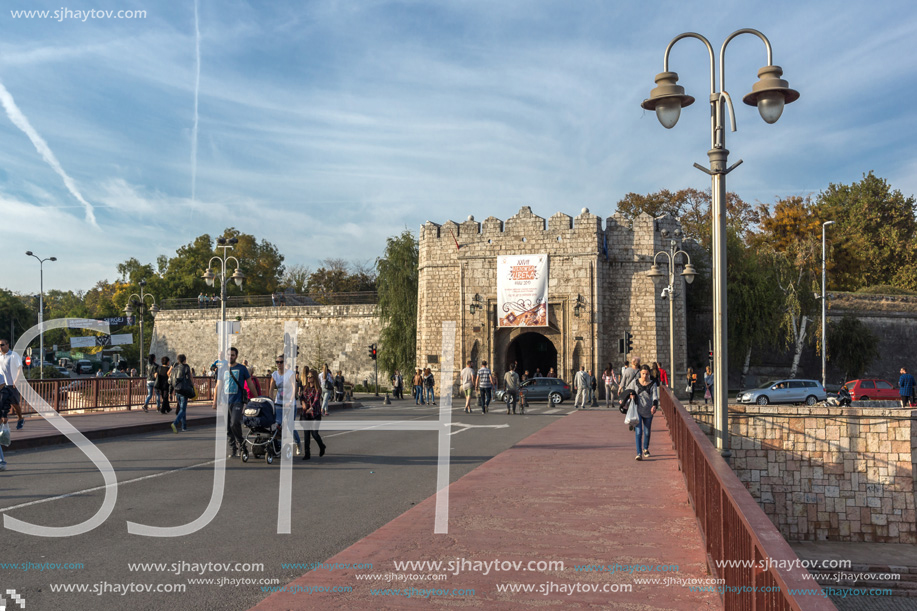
235, 327
29, 351
120, 339
28, 361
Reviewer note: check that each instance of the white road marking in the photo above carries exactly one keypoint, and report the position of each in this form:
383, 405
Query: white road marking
88, 490
465, 427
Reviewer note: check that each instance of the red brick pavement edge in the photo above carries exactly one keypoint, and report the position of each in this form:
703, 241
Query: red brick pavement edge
571, 492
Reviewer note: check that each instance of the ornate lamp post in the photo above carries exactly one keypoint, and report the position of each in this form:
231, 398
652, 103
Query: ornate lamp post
210, 277
669, 291
41, 305
138, 302
769, 94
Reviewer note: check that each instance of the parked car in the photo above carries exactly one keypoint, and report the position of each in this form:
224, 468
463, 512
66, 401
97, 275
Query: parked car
63, 371
83, 366
785, 391
554, 390
872, 390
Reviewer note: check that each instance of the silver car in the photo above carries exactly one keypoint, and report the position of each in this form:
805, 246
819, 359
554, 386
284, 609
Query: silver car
809, 392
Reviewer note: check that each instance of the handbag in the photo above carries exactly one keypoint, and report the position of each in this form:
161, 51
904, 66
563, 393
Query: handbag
689, 388
4, 434
707, 394
632, 417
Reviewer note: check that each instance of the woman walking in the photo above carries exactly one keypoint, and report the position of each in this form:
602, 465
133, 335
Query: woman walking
691, 379
177, 375
708, 383
278, 390
326, 385
162, 385
311, 401
645, 394
428, 385
611, 381
655, 374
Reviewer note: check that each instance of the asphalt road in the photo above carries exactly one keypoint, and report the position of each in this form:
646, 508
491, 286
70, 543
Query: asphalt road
366, 479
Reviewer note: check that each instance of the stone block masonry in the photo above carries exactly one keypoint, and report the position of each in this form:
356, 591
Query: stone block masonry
827, 473
339, 335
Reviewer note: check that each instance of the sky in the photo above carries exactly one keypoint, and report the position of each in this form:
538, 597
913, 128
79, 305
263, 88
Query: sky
327, 126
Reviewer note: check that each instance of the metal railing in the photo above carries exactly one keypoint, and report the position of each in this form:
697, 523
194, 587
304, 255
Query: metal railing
735, 528
267, 301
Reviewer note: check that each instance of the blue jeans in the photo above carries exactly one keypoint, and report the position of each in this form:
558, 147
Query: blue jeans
181, 416
643, 429
429, 390
278, 414
150, 390
326, 397
418, 395
485, 396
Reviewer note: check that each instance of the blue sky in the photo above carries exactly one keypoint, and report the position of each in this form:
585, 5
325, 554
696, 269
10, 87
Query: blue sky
325, 127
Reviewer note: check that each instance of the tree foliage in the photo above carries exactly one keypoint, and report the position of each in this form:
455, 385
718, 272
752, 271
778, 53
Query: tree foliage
851, 346
340, 276
397, 285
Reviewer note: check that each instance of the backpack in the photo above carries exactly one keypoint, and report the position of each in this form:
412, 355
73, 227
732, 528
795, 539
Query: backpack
329, 383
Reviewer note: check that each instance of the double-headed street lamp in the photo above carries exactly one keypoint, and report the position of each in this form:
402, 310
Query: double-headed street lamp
41, 305
769, 94
237, 276
669, 291
139, 302
824, 299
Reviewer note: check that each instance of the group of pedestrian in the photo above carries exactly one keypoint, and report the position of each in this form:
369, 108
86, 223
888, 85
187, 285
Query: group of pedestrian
484, 381
640, 387
423, 384
208, 301
278, 299
584, 383
693, 381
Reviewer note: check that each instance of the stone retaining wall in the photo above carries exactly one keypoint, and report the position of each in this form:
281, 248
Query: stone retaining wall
338, 335
827, 473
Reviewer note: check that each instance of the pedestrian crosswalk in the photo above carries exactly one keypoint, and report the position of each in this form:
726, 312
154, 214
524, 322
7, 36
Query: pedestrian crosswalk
496, 407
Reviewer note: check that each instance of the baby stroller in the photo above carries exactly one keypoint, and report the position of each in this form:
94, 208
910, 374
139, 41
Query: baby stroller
263, 437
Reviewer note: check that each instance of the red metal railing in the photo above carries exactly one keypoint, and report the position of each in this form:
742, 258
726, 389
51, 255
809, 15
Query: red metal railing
735, 528
87, 394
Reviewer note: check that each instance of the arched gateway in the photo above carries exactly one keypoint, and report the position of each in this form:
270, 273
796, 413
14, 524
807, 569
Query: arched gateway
544, 293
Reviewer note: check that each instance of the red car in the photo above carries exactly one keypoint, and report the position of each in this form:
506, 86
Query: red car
875, 390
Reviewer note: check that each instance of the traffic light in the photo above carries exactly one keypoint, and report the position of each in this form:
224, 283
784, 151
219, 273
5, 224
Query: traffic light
621, 345
372, 351
628, 342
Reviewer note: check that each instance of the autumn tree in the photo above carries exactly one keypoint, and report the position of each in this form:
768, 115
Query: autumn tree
851, 346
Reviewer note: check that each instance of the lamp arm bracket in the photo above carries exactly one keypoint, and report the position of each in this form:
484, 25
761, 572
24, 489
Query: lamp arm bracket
733, 166
732, 113
703, 169
668, 49
210, 263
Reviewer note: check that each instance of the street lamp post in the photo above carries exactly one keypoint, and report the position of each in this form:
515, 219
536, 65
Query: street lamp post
669, 291
140, 302
769, 94
41, 306
824, 298
237, 276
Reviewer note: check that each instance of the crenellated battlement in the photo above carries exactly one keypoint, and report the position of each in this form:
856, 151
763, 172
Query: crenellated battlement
524, 221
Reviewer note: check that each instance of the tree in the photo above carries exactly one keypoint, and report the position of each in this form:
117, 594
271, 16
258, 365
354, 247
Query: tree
851, 346
296, 277
692, 208
878, 224
339, 276
397, 285
14, 314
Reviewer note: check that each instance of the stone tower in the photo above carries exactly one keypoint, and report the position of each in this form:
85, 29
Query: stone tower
597, 290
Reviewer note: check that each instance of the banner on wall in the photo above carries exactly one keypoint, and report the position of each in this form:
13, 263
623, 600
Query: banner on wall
522, 290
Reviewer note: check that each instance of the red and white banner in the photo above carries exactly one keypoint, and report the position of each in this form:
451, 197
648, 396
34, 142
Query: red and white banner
522, 290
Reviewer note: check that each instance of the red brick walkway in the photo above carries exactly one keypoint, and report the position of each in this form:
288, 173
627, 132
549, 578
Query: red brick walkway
571, 492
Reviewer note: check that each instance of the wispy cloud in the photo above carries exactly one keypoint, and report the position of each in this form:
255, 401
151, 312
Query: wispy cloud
20, 121
197, 90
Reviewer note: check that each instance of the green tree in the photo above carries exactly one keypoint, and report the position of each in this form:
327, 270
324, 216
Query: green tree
296, 277
339, 276
878, 224
397, 285
851, 346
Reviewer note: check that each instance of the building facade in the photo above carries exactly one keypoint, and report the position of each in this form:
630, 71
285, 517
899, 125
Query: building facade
597, 290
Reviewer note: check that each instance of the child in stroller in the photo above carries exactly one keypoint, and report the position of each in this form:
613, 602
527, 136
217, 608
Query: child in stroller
263, 437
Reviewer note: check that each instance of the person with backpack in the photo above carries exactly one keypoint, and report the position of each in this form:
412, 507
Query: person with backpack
234, 376
180, 379
152, 372
428, 385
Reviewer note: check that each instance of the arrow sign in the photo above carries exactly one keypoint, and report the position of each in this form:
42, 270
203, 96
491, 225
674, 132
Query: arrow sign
465, 427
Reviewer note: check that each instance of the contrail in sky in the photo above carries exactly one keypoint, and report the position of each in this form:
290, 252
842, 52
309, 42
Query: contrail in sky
20, 121
197, 88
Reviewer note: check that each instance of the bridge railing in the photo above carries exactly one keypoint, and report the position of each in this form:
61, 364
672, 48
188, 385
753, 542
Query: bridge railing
278, 300
735, 528
100, 394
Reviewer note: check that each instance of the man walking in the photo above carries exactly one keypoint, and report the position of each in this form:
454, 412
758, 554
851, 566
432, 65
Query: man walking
511, 384
397, 385
233, 388
467, 380
10, 369
906, 387
485, 384
592, 388
581, 384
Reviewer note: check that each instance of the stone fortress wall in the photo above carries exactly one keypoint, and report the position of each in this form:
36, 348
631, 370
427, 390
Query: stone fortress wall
458, 263
338, 335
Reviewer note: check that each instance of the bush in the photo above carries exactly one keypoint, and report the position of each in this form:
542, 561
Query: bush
45, 373
885, 289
